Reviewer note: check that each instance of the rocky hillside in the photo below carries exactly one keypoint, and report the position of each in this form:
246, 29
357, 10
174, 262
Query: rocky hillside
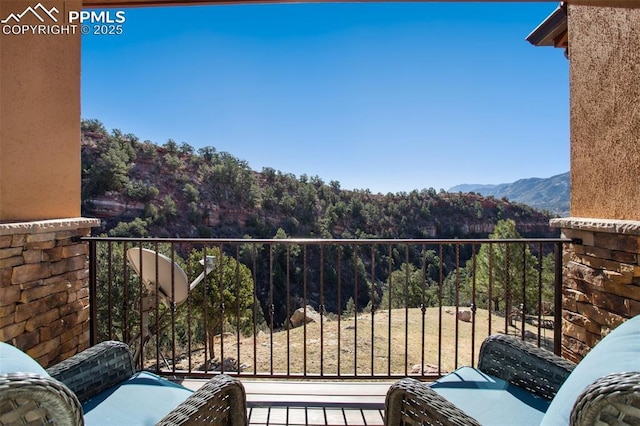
550, 194
142, 189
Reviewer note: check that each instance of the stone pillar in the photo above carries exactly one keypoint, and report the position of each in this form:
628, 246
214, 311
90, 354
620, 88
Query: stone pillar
44, 287
601, 280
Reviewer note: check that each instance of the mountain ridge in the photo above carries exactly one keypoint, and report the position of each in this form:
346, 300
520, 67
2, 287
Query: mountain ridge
551, 194
139, 189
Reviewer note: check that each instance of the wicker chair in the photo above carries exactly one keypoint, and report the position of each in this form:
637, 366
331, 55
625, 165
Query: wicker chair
516, 383
100, 386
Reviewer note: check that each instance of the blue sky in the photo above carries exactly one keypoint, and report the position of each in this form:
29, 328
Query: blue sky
385, 96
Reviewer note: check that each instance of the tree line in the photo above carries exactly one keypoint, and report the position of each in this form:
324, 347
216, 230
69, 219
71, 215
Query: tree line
174, 190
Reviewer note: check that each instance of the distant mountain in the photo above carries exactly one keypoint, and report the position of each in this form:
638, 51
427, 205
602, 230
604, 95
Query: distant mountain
550, 194
473, 187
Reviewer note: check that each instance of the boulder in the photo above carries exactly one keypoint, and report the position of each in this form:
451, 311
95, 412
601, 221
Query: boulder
304, 315
464, 316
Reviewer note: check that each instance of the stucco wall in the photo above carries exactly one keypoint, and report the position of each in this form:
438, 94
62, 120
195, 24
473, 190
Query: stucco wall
604, 49
39, 118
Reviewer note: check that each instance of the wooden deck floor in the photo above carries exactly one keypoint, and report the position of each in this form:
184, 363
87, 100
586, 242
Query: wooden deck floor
297, 403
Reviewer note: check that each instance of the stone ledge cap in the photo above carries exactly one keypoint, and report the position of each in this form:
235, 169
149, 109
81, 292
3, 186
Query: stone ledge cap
610, 226
52, 225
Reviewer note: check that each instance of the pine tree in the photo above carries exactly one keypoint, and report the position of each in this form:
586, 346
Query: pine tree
503, 269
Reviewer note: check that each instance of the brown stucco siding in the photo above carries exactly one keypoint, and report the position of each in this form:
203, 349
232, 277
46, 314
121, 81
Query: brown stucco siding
604, 49
39, 119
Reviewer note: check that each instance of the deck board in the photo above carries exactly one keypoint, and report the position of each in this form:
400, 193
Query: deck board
312, 403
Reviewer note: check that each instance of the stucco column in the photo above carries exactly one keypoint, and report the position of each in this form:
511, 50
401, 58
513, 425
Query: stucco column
601, 274
604, 53
39, 111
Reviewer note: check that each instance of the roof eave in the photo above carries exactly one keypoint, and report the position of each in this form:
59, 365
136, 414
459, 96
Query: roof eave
552, 31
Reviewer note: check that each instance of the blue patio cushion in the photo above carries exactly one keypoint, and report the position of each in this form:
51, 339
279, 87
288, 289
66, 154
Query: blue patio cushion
13, 360
618, 352
490, 400
144, 399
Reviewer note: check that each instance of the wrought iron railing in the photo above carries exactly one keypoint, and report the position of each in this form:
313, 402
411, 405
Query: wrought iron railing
371, 308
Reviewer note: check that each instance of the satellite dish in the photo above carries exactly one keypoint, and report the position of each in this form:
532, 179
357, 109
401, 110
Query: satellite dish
151, 266
144, 263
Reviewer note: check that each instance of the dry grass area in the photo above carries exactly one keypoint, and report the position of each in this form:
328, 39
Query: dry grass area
376, 350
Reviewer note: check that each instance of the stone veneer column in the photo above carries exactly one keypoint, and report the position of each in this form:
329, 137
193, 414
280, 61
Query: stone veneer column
44, 290
601, 280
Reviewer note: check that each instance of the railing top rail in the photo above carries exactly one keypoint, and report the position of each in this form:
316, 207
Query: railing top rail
327, 241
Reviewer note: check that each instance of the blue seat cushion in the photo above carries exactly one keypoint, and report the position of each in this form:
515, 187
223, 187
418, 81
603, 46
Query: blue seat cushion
618, 352
144, 399
490, 400
13, 360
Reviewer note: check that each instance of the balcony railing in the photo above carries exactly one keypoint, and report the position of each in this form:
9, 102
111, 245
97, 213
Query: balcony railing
367, 309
